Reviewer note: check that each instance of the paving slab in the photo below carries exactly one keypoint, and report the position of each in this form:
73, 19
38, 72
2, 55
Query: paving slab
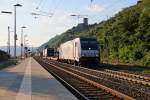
30, 81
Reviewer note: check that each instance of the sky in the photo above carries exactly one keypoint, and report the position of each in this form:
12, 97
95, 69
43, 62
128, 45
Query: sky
57, 20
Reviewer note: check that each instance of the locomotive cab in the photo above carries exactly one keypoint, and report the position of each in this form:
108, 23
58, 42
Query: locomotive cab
89, 51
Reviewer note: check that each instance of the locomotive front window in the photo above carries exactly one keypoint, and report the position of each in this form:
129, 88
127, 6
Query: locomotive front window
89, 45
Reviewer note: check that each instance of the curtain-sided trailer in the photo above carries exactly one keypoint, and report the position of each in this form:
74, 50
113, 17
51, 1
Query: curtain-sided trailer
49, 52
79, 51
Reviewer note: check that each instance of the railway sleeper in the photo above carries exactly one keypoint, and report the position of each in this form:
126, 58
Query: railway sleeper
97, 93
129, 75
99, 96
90, 89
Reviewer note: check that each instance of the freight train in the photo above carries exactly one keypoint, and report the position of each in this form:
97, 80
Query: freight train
80, 51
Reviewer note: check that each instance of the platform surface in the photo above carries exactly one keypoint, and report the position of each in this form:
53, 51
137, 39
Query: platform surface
30, 81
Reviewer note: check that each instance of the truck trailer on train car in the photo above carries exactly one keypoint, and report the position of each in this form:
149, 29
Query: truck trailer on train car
80, 51
49, 52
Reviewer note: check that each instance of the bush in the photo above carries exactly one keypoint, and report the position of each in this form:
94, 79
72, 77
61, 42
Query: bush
125, 54
138, 55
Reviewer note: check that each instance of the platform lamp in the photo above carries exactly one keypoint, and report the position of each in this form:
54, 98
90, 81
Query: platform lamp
15, 35
23, 27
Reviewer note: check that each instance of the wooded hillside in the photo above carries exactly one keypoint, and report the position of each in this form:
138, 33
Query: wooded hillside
124, 38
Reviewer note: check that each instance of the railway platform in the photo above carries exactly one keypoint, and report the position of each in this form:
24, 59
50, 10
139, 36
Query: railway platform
30, 81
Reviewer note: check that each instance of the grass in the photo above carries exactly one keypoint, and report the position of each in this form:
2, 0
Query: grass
8, 63
146, 72
132, 68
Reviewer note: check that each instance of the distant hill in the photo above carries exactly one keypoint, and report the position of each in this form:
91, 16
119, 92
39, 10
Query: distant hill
18, 50
124, 38
4, 48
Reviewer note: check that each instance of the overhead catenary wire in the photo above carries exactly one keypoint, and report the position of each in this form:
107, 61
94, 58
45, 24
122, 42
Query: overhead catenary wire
39, 11
44, 13
52, 12
43, 4
55, 8
41, 1
92, 1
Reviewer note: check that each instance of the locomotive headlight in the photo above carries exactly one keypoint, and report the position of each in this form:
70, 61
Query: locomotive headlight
96, 55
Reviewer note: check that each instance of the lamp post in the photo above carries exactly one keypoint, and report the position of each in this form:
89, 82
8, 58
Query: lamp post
8, 40
22, 41
25, 46
15, 35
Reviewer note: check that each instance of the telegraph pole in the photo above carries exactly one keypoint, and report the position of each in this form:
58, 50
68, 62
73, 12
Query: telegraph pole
8, 50
15, 36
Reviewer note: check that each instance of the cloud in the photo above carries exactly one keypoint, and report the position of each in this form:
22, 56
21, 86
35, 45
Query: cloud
56, 24
95, 8
46, 28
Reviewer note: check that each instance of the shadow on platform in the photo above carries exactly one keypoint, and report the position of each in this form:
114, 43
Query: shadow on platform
11, 81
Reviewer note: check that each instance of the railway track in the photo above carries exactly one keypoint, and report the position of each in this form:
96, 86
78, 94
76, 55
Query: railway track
122, 75
136, 88
132, 87
111, 86
138, 77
